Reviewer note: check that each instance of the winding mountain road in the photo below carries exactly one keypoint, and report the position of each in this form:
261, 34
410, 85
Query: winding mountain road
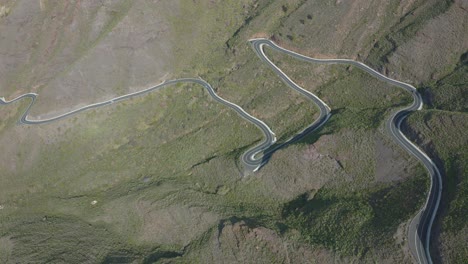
419, 230
250, 162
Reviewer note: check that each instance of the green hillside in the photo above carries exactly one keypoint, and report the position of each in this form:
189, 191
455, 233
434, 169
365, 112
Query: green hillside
157, 178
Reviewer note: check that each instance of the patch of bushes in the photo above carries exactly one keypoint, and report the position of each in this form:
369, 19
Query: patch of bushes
350, 223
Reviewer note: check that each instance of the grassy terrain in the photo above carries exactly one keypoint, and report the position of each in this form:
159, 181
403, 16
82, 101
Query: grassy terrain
158, 178
353, 223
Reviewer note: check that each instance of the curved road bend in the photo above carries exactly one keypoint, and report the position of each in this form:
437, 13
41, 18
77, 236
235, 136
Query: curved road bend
419, 231
325, 110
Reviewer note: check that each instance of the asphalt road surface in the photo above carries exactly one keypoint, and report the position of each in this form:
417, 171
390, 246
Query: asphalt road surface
419, 230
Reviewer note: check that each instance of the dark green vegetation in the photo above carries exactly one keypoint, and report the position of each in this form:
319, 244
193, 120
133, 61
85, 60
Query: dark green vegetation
353, 223
157, 178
